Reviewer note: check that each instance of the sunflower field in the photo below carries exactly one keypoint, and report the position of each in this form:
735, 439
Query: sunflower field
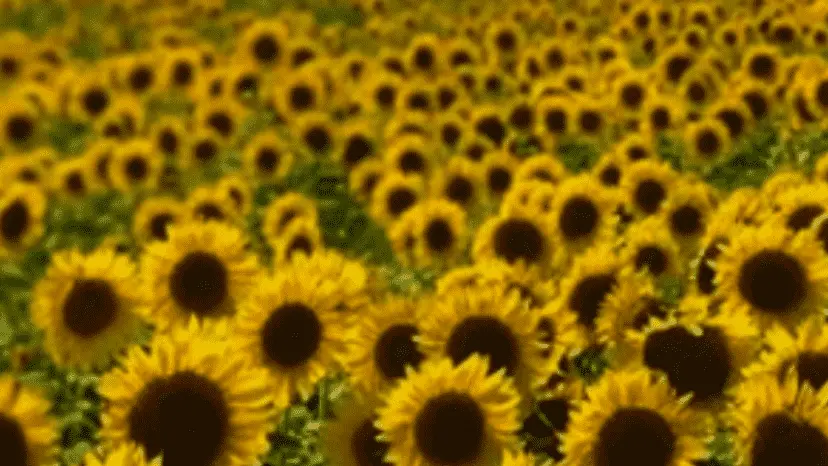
413, 233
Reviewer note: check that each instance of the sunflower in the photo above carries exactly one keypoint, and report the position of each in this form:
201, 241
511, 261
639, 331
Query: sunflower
135, 166
202, 270
90, 96
382, 91
314, 130
516, 237
518, 459
783, 180
181, 70
550, 417
554, 116
778, 422
632, 305
708, 140
439, 232
300, 237
266, 157
364, 178
591, 278
779, 276
493, 322
265, 42
662, 113
800, 206
763, 62
582, 212
22, 208
756, 95
687, 212
459, 182
700, 353
804, 352
284, 210
394, 194
154, 216
301, 91
207, 203
446, 414
648, 246
189, 398
290, 326
18, 124
128, 454
351, 439
542, 167
29, 433
86, 307
139, 74
629, 418
169, 136
381, 344
647, 184
22, 169
357, 143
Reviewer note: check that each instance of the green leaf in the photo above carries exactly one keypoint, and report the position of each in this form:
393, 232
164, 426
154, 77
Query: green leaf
6, 330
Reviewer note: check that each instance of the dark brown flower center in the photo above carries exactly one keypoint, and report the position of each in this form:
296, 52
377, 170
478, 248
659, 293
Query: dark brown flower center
357, 148
804, 216
400, 200
635, 436
95, 101
292, 335
19, 129
773, 282
549, 418
199, 282
492, 128
651, 258
185, 418
412, 162
649, 194
705, 274
265, 49
517, 239
578, 218
588, 295
301, 98
13, 442
783, 440
460, 190
318, 139
499, 180
487, 336
439, 236
158, 226
395, 350
450, 429
90, 307
686, 221
14, 221
367, 450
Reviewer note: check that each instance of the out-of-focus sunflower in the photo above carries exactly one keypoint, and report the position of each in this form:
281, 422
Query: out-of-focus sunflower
395, 194
803, 352
135, 166
582, 212
22, 169
648, 246
648, 185
301, 237
351, 438
301, 91
209, 204
633, 304
191, 399
779, 276
73, 179
289, 325
381, 344
778, 422
181, 70
554, 116
800, 206
202, 270
237, 189
30, 435
517, 237
783, 180
170, 136
493, 322
154, 216
18, 124
439, 229
86, 306
358, 142
364, 178
446, 414
707, 140
687, 212
91, 95
266, 157
498, 172
314, 130
409, 154
22, 208
459, 181
700, 353
763, 62
630, 418
265, 42
542, 167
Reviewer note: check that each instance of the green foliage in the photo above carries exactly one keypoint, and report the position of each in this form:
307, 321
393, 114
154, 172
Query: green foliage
578, 156
344, 15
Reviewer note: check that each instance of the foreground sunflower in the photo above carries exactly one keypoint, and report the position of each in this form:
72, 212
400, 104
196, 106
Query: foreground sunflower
22, 207
450, 415
191, 399
630, 417
127, 454
779, 276
805, 352
351, 438
290, 326
382, 344
779, 423
493, 322
201, 270
27, 433
86, 306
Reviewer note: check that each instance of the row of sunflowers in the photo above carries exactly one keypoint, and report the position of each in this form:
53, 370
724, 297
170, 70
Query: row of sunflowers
386, 232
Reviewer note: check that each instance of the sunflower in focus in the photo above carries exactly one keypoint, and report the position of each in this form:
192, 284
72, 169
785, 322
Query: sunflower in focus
493, 322
154, 216
290, 326
516, 237
778, 422
582, 209
446, 414
86, 306
381, 345
202, 270
778, 276
189, 398
631, 417
649, 246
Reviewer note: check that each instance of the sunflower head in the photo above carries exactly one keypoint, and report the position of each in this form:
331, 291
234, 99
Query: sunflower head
29, 433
